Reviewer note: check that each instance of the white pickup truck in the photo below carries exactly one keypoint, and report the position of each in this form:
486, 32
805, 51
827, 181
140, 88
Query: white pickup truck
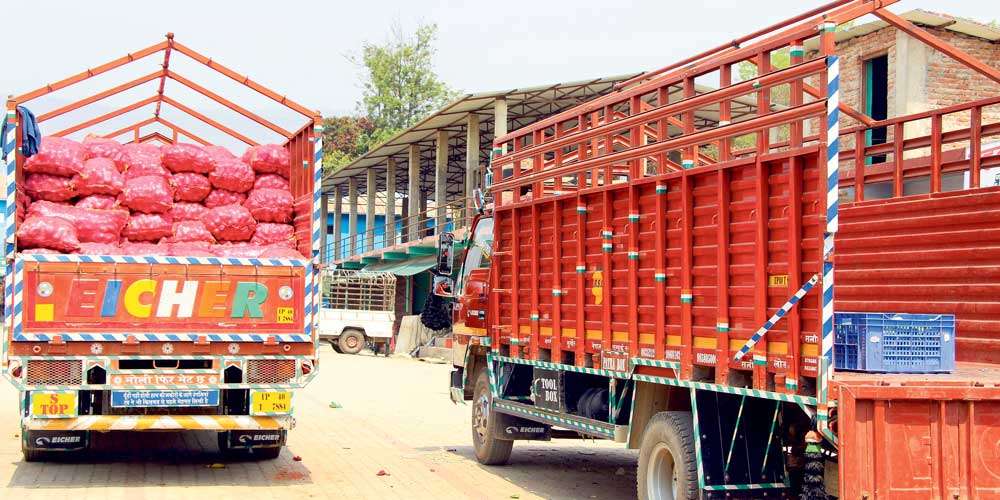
358, 308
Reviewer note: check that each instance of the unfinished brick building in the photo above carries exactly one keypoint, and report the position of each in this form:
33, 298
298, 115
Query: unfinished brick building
886, 73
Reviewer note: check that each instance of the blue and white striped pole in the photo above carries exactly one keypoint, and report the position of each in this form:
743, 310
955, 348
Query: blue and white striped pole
752, 341
318, 226
10, 161
832, 194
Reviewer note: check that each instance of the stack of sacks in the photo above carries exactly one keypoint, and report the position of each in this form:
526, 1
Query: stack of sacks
99, 197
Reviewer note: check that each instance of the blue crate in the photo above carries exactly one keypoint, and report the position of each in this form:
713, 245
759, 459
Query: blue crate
894, 343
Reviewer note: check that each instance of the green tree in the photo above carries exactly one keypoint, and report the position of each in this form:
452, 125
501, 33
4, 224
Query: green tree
399, 88
399, 82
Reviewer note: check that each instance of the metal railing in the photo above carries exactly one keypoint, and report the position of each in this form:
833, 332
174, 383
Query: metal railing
407, 229
358, 290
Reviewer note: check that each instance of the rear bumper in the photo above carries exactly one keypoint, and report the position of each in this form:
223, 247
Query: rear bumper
104, 423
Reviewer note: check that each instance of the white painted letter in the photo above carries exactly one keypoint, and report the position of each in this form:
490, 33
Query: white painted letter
184, 300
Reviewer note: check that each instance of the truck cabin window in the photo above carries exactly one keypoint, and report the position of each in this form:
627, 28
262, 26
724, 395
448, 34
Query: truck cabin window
480, 248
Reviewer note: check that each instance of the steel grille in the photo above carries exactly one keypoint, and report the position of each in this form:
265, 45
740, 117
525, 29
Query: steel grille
270, 371
55, 372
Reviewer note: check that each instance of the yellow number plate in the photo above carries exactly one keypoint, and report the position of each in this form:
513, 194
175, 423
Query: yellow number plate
286, 315
270, 402
53, 404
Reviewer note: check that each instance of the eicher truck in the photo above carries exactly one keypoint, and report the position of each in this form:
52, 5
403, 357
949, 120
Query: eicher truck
768, 294
154, 284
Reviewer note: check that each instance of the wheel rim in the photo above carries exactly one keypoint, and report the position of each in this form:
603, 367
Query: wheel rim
661, 474
352, 341
480, 413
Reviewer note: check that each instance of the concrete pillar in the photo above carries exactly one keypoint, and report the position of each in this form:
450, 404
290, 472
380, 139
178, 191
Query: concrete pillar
352, 216
338, 210
441, 181
390, 202
500, 120
370, 211
324, 254
471, 165
908, 94
404, 233
414, 193
422, 217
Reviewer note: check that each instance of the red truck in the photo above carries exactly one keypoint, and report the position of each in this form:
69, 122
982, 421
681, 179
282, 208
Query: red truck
667, 282
98, 343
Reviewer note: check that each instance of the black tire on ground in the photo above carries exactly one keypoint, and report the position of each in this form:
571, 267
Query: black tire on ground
351, 342
334, 344
667, 464
245, 454
489, 449
31, 455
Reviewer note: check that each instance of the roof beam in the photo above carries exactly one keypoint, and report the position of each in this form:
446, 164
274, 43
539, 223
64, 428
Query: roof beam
166, 67
90, 73
939, 44
130, 128
244, 80
98, 96
177, 129
106, 116
202, 117
227, 103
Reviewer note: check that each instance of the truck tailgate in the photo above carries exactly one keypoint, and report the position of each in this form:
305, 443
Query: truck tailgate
108, 301
915, 436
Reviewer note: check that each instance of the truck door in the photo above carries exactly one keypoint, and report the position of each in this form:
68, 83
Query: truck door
472, 287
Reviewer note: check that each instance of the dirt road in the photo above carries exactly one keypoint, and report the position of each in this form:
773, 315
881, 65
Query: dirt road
394, 416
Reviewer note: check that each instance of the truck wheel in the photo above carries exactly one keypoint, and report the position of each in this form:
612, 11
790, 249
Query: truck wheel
351, 342
245, 454
489, 449
667, 466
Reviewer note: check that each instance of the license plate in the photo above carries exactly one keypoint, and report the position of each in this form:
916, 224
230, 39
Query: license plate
161, 399
53, 404
270, 402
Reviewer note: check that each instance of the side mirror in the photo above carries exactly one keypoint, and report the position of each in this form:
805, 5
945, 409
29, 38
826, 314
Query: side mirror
445, 254
478, 199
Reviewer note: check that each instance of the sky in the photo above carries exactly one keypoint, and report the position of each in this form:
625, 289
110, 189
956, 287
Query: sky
302, 48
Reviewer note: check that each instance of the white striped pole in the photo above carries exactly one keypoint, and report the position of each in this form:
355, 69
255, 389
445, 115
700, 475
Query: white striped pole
10, 161
832, 193
318, 227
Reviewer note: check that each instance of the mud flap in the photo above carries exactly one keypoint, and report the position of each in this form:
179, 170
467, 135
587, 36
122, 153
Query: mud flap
457, 386
56, 440
255, 439
521, 429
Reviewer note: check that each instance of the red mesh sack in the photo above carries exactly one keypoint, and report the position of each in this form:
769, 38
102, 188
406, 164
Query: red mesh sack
219, 152
140, 157
191, 187
101, 201
142, 248
191, 230
231, 175
99, 249
280, 252
99, 147
187, 158
270, 205
142, 170
56, 156
99, 176
238, 250
54, 233
49, 187
41, 250
272, 181
230, 223
274, 234
148, 227
92, 225
149, 194
268, 159
220, 197
192, 249
183, 210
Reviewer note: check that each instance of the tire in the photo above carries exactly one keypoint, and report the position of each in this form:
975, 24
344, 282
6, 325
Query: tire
335, 345
351, 342
489, 450
270, 453
667, 465
436, 314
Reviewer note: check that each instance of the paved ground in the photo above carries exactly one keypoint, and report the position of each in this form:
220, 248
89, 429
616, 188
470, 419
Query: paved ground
395, 417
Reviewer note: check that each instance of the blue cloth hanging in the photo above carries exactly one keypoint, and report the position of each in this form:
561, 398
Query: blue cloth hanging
31, 135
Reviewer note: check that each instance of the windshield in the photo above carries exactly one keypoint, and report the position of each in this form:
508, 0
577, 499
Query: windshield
480, 249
